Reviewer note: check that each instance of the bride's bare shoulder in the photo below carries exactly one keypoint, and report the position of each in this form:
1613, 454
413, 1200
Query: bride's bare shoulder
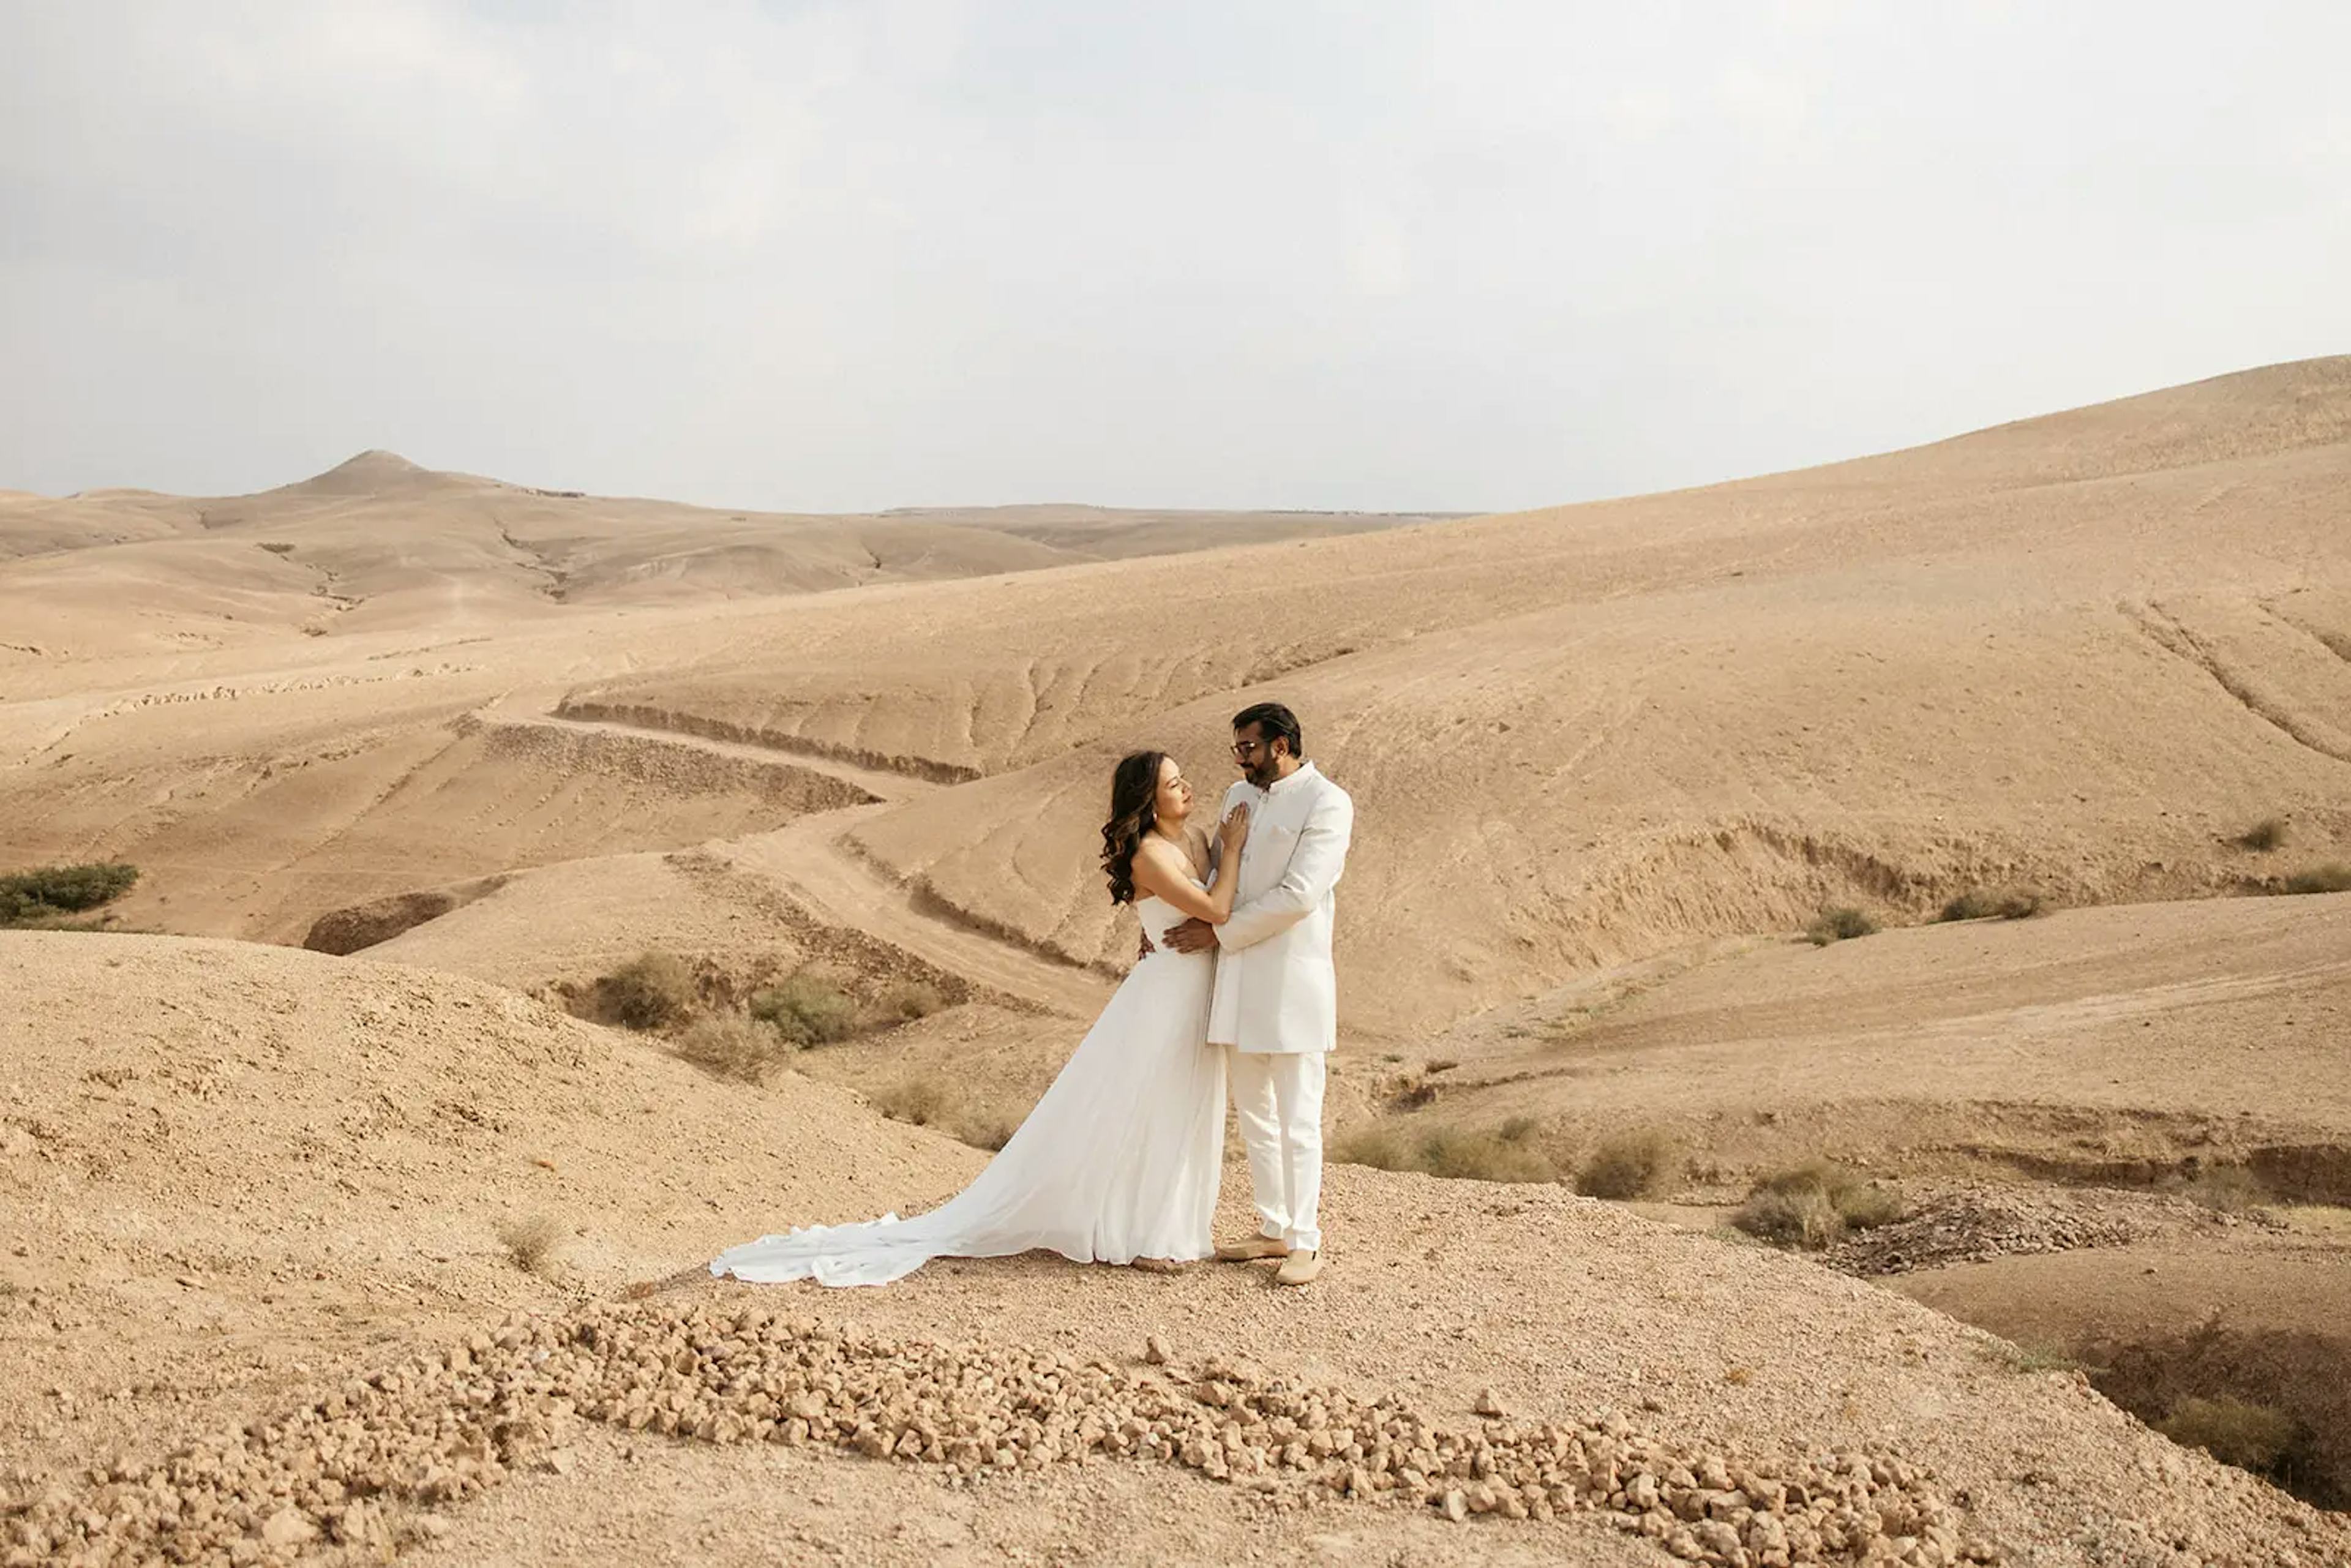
1157, 861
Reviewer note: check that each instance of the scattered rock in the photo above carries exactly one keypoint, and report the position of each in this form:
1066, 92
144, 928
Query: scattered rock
1975, 1225
449, 1423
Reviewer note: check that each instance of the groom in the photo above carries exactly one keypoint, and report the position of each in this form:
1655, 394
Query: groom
1276, 1009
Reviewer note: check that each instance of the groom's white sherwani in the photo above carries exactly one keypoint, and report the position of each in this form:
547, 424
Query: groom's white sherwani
1276, 1003
1276, 988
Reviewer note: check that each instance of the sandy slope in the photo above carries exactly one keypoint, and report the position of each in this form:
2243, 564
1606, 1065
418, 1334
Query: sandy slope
276, 1157
1593, 733
1606, 757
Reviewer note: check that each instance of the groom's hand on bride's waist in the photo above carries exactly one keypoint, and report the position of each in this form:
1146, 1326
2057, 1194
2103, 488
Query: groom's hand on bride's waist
1192, 936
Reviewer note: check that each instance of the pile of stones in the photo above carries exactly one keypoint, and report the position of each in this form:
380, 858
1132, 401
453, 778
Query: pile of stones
350, 1468
1974, 1226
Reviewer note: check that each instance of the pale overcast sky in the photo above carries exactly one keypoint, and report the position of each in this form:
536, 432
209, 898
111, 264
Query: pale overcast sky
1362, 253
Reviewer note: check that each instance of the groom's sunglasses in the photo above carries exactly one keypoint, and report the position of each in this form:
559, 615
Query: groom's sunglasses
1245, 749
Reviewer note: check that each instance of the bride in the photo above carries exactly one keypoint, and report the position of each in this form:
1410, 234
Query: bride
1119, 1161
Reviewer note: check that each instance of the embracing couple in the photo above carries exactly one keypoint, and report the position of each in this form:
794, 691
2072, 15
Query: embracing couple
1119, 1162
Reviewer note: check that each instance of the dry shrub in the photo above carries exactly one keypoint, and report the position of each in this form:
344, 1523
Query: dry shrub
1639, 1163
1839, 924
2263, 836
535, 1244
807, 1009
2276, 1402
1993, 903
924, 1101
910, 999
1806, 1219
2331, 878
2230, 1189
1382, 1148
735, 1048
2257, 1438
1483, 1156
652, 991
279, 547
1507, 1154
1814, 1205
989, 1132
920, 1101
51, 893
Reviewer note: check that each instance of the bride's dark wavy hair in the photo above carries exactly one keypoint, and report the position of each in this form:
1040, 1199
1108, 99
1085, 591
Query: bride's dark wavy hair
1134, 796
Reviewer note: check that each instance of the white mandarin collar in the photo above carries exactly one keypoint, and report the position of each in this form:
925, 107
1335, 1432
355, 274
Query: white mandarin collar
1283, 786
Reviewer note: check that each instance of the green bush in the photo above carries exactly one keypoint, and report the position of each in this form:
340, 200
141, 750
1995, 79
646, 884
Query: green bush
2334, 878
1814, 1205
1840, 924
1993, 903
653, 991
52, 892
807, 1010
1639, 1163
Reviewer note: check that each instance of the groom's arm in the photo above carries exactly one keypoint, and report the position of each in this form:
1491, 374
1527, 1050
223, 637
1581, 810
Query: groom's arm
1315, 866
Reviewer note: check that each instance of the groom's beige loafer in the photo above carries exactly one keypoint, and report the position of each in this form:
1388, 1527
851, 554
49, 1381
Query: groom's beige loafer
1250, 1251
1299, 1269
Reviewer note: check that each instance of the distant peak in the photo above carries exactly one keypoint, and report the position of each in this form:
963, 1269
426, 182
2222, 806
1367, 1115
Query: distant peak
370, 471
374, 460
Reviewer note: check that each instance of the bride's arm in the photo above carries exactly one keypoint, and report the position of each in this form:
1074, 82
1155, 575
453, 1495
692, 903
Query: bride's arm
1162, 870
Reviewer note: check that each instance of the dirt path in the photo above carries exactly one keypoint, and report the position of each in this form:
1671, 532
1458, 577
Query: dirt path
812, 863
882, 785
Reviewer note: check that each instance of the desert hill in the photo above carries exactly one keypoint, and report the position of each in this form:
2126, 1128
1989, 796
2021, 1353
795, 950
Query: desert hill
1608, 759
380, 541
2084, 652
283, 1169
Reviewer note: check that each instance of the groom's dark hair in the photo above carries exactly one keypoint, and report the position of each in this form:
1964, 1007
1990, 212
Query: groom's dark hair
1273, 720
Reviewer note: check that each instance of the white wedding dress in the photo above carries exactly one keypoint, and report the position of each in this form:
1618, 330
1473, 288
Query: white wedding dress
1120, 1160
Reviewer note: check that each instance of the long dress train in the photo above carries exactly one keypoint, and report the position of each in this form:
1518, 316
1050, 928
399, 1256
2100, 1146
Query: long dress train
1119, 1160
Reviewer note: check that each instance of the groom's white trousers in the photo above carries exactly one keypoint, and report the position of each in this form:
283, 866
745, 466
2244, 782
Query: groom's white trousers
1278, 1097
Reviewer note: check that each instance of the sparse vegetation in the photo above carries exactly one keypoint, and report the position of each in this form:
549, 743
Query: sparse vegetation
926, 1101
1639, 1163
919, 1102
1815, 1205
279, 547
1841, 923
2257, 1438
2263, 836
652, 991
535, 1243
2033, 1357
807, 1010
908, 1000
2230, 1189
2331, 878
51, 895
1993, 903
1507, 1154
734, 1047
